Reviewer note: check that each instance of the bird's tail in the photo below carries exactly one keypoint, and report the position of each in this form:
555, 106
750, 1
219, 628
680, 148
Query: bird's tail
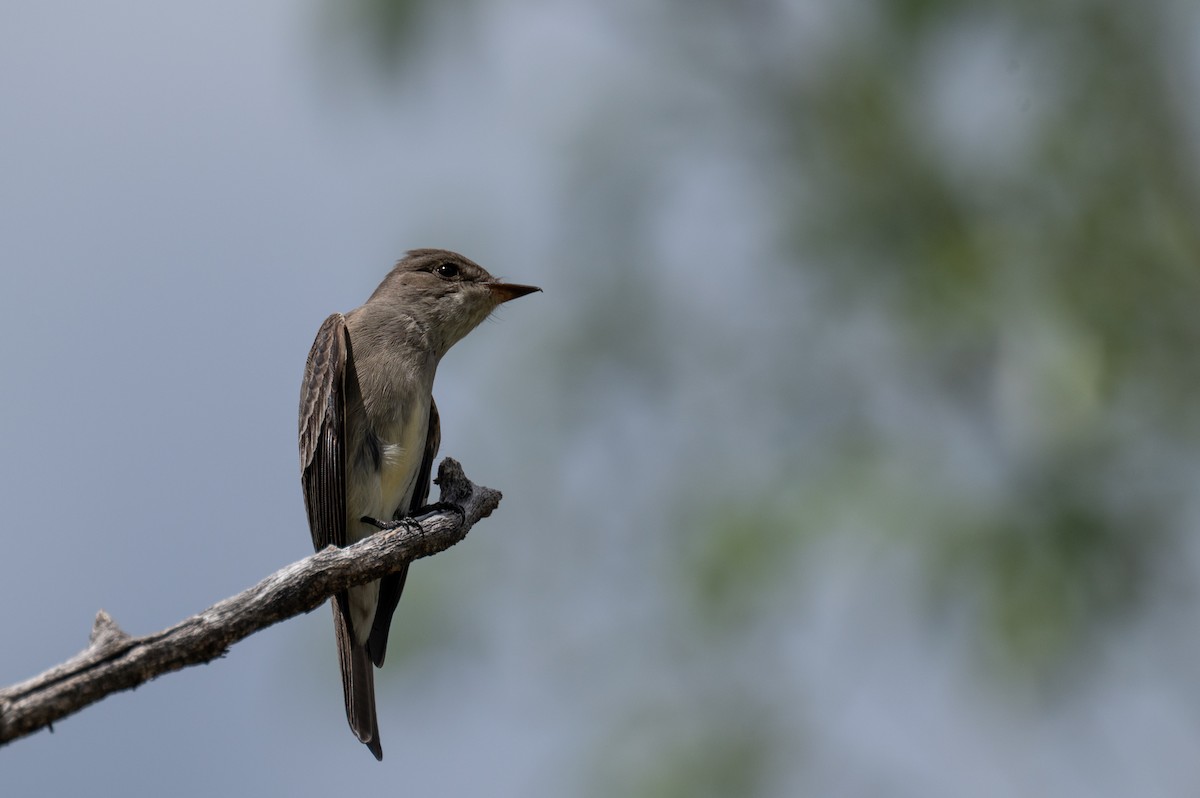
358, 679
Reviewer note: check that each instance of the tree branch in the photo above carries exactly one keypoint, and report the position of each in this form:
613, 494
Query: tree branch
115, 661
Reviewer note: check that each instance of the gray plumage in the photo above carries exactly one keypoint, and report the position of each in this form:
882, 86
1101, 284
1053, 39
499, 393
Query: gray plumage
369, 431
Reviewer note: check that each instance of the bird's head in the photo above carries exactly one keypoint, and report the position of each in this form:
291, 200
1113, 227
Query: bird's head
447, 294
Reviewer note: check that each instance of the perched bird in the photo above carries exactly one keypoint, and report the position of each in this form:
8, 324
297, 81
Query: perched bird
369, 431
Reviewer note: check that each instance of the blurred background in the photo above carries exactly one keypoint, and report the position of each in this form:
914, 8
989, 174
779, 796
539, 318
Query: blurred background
848, 452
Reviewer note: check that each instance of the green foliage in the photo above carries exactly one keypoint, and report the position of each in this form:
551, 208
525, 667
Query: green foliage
682, 754
734, 558
1088, 234
1049, 570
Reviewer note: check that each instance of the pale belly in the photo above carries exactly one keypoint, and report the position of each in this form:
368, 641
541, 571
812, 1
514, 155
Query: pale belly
381, 495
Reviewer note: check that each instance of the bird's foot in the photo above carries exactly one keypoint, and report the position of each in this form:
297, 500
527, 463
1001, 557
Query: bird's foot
414, 520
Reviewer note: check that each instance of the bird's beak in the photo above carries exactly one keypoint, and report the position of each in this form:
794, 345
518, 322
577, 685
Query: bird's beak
506, 291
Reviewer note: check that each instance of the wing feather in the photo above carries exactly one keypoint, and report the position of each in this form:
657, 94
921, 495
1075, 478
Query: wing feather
323, 433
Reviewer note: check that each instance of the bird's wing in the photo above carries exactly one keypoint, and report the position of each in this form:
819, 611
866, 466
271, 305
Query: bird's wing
323, 433
323, 398
391, 586
433, 439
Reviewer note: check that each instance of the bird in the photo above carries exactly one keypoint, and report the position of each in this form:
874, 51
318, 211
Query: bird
369, 431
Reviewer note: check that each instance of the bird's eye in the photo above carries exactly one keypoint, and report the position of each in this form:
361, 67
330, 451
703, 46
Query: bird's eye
447, 271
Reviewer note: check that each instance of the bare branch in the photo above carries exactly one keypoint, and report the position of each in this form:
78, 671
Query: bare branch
115, 661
